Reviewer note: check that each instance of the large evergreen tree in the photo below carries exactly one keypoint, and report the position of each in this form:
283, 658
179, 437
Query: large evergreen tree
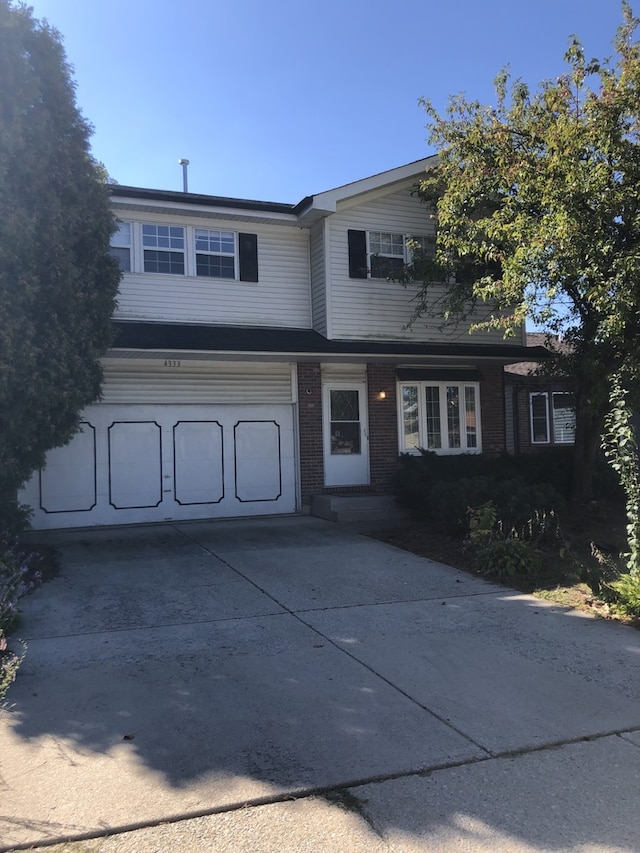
537, 201
57, 282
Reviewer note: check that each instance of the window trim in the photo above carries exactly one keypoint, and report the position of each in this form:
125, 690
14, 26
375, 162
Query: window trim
116, 243
545, 395
165, 250
389, 255
442, 386
208, 253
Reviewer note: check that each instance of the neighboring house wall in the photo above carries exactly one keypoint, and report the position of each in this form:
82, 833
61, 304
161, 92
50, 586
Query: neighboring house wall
540, 410
524, 433
280, 297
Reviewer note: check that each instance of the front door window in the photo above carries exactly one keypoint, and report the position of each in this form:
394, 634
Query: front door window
345, 422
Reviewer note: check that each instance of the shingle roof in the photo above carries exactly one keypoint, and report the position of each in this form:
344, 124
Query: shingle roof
294, 342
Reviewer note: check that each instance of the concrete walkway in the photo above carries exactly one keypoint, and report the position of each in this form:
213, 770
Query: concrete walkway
286, 685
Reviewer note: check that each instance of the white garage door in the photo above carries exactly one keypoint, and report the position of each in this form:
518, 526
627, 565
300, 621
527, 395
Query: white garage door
157, 463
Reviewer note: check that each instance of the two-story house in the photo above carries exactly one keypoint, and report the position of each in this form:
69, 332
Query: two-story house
262, 358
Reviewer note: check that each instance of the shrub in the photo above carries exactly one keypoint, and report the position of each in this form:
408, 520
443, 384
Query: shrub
508, 558
521, 507
624, 594
442, 488
19, 574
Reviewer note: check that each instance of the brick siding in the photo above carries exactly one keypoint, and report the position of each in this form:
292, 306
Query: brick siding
310, 415
492, 409
383, 426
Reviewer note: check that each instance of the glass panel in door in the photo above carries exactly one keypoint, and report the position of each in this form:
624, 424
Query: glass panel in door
345, 422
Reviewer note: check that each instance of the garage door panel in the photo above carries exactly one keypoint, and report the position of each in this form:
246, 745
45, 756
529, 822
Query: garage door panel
135, 464
258, 463
68, 481
198, 459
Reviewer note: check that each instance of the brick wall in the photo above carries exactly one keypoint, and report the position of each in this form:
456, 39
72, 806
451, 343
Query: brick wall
383, 426
310, 414
492, 408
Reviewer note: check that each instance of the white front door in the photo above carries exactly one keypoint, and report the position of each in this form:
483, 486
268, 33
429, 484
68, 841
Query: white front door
346, 440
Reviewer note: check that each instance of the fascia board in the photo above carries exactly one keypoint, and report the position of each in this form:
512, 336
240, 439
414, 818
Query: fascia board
328, 200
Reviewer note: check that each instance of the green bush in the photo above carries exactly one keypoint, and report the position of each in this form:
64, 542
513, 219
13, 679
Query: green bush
524, 490
19, 574
508, 558
624, 594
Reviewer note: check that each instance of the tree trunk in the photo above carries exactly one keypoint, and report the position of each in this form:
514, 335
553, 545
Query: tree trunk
589, 426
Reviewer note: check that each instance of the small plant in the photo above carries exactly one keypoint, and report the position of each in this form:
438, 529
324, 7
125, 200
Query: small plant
9, 665
508, 558
19, 574
624, 594
482, 522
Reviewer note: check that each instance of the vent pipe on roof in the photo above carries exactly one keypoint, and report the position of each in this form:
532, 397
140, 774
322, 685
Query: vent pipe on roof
184, 164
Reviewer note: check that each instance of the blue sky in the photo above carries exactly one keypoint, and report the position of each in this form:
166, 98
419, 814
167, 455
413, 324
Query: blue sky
276, 100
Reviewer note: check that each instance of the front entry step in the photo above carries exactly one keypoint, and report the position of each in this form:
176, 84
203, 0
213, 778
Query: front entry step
376, 510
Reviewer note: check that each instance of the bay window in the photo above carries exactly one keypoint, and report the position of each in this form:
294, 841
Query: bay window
440, 416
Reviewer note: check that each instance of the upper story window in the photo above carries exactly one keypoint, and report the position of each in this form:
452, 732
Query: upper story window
552, 418
121, 246
386, 254
440, 416
382, 254
163, 248
215, 253
145, 247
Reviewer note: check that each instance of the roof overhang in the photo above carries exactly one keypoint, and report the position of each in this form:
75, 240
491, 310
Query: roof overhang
166, 340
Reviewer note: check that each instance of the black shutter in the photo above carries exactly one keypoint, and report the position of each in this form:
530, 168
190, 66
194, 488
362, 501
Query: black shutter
248, 255
357, 254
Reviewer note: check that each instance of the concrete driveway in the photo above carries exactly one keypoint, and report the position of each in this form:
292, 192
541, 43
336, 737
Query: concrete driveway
284, 684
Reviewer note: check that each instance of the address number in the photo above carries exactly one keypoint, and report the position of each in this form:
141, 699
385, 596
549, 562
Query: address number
171, 362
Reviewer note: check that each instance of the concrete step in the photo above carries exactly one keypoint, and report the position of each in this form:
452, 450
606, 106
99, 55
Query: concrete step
374, 510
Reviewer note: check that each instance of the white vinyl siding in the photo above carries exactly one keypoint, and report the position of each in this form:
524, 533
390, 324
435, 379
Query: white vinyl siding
281, 297
376, 308
180, 381
318, 278
334, 372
